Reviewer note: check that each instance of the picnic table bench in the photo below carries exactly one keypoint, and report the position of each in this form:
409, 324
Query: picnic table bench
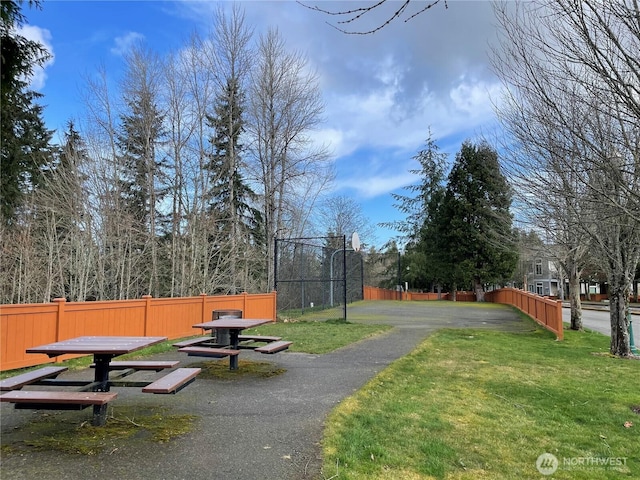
210, 352
274, 347
174, 381
258, 338
28, 378
141, 365
193, 341
48, 400
44, 400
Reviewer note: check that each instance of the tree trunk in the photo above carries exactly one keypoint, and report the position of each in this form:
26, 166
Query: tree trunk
618, 303
574, 300
479, 289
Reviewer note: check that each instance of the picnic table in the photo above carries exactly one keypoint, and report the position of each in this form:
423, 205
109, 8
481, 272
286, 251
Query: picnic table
97, 392
208, 347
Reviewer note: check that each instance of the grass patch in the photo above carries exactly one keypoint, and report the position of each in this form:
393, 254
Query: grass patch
219, 369
125, 425
319, 337
480, 404
318, 312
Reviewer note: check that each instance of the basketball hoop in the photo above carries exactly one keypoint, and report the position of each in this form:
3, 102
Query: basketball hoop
355, 242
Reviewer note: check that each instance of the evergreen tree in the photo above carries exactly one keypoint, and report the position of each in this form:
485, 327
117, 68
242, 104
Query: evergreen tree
142, 174
24, 140
476, 236
230, 198
420, 204
421, 263
392, 270
141, 129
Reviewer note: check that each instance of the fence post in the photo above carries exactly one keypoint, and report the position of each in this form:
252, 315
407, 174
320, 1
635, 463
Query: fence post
203, 319
274, 300
559, 320
244, 304
59, 315
147, 309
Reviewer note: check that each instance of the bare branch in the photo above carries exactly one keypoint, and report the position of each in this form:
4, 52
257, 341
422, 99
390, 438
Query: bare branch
357, 14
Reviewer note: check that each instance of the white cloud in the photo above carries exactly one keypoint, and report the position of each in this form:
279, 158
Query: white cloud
370, 186
474, 97
124, 42
42, 36
383, 92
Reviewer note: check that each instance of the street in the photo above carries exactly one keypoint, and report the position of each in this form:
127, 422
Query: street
598, 320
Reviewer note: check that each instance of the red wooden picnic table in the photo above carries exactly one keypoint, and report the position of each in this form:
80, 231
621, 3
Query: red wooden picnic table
234, 326
104, 349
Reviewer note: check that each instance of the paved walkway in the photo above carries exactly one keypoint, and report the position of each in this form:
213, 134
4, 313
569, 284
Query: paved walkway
254, 428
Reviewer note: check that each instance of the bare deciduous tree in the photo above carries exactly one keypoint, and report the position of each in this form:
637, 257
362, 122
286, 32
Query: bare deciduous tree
232, 57
143, 176
573, 76
284, 106
340, 215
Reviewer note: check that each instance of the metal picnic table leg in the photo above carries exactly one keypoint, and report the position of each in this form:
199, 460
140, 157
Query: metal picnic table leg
102, 385
233, 359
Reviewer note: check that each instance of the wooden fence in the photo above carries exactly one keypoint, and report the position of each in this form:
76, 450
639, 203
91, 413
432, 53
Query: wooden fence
375, 293
545, 311
29, 325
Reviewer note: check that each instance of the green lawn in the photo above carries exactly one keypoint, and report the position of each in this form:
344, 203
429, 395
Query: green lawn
484, 405
317, 336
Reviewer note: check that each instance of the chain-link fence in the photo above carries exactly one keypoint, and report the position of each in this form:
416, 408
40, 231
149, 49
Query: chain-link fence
317, 273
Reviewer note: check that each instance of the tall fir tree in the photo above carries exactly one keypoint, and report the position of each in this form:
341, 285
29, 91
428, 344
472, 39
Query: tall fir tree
140, 133
421, 265
418, 203
24, 139
141, 177
230, 197
475, 225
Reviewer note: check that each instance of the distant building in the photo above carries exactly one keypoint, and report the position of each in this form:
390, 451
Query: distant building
543, 276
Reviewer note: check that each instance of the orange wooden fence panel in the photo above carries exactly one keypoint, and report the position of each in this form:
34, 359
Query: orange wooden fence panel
29, 325
427, 296
545, 311
375, 293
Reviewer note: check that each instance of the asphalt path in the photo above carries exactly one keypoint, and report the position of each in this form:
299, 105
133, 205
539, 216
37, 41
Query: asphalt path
246, 428
599, 321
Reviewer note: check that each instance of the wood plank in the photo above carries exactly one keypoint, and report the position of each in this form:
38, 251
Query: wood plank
43, 397
19, 381
173, 381
258, 338
209, 352
274, 347
193, 341
141, 365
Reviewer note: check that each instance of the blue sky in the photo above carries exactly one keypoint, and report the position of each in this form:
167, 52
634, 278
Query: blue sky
382, 92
